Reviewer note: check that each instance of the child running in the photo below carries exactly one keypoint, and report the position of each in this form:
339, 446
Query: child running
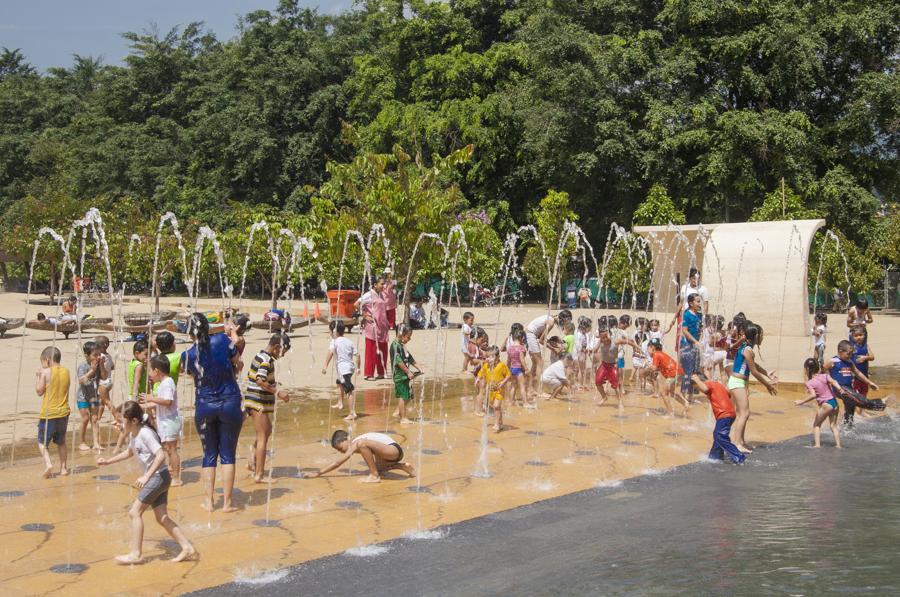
818, 388
723, 411
495, 374
379, 450
52, 385
402, 362
153, 484
168, 420
86, 397
346, 363
259, 400
844, 372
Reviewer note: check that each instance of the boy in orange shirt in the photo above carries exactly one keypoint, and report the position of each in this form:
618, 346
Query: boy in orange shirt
668, 371
723, 411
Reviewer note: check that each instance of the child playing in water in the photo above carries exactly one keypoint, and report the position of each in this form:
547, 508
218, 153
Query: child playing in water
819, 332
667, 371
52, 385
862, 355
259, 400
622, 326
494, 374
105, 376
86, 397
723, 411
569, 338
581, 351
153, 484
819, 388
842, 369
165, 343
137, 368
556, 376
859, 314
751, 336
379, 450
468, 320
639, 359
556, 347
168, 420
402, 362
515, 350
346, 362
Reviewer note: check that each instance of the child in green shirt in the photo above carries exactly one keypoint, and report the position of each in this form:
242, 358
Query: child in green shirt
401, 361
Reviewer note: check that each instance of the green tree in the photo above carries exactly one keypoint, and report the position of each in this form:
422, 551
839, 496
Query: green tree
783, 204
549, 219
658, 209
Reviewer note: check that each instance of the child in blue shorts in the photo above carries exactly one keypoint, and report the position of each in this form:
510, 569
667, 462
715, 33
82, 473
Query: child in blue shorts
819, 388
87, 397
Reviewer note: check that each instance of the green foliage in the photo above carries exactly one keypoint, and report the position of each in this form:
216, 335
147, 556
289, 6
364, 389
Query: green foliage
549, 219
658, 209
714, 101
783, 204
861, 271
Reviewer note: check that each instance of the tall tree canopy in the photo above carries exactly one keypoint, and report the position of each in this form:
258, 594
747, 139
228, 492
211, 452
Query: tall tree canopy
717, 101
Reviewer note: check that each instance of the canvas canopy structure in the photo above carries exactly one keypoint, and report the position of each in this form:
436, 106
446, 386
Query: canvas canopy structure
759, 268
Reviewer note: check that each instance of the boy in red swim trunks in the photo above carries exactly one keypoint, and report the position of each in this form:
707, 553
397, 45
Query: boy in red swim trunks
723, 411
608, 349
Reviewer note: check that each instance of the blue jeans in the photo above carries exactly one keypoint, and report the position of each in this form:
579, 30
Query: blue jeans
722, 442
690, 361
219, 426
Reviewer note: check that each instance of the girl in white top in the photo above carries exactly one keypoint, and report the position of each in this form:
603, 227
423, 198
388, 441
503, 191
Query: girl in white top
536, 333
346, 362
168, 421
153, 485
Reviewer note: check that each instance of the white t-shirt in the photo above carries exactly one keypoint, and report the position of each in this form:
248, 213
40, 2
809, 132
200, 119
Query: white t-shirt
582, 341
167, 391
344, 350
820, 339
366, 298
538, 324
617, 334
381, 438
145, 445
555, 373
466, 330
687, 290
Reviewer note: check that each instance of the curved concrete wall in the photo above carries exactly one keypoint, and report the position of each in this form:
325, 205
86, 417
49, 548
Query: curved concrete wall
759, 268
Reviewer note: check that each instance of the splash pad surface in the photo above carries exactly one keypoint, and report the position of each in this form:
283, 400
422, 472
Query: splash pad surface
63, 533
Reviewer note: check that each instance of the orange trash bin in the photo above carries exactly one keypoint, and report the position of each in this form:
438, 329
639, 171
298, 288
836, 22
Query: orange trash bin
340, 303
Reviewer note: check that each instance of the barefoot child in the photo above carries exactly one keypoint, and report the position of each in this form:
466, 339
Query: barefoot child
379, 450
86, 397
516, 350
495, 374
862, 356
818, 388
153, 485
346, 362
52, 385
402, 361
745, 364
468, 320
259, 399
667, 372
819, 332
581, 351
105, 379
723, 411
165, 343
556, 376
168, 421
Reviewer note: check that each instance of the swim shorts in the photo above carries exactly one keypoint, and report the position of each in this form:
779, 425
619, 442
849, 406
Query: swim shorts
53, 430
402, 390
736, 382
531, 342
516, 371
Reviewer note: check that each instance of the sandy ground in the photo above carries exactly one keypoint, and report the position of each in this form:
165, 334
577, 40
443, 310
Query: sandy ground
463, 471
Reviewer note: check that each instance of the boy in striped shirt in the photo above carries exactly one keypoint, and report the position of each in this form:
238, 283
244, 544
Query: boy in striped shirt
259, 400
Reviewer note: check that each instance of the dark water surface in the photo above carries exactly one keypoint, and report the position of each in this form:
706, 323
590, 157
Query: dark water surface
792, 521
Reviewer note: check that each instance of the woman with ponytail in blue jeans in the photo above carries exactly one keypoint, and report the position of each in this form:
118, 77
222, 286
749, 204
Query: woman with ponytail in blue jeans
213, 361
